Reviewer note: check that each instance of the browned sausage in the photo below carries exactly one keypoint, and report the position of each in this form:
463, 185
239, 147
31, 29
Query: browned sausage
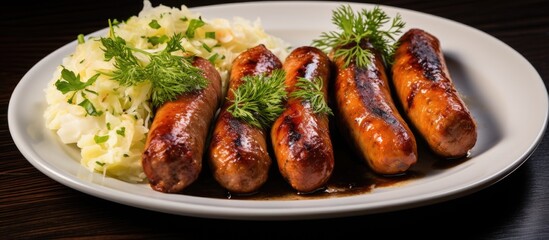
300, 137
428, 96
175, 144
369, 117
238, 153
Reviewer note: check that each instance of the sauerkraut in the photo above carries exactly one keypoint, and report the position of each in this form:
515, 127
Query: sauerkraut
107, 121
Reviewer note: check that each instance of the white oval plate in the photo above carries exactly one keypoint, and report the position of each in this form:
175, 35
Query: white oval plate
505, 94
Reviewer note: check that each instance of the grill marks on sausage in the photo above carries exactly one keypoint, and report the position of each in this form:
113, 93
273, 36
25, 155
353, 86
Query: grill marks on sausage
300, 137
368, 83
309, 69
425, 56
235, 127
414, 88
257, 64
293, 134
173, 152
432, 103
254, 62
238, 153
370, 118
426, 59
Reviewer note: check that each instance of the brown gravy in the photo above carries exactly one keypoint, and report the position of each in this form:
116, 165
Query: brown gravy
351, 176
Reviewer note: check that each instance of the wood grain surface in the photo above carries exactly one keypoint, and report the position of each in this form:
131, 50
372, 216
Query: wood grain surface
33, 206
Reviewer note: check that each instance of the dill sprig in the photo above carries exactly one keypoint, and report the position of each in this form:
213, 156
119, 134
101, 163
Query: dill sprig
170, 75
359, 26
259, 99
311, 91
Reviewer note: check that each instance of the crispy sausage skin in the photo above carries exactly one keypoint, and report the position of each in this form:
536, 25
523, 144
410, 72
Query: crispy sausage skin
300, 137
430, 101
367, 114
175, 144
238, 153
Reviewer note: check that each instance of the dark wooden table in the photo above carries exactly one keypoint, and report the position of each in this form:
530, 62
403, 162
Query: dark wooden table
35, 206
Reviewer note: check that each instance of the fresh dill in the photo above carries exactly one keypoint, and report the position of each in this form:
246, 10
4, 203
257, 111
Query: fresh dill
311, 91
359, 26
259, 100
170, 75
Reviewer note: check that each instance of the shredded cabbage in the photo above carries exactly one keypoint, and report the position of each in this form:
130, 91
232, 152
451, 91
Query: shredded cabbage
112, 140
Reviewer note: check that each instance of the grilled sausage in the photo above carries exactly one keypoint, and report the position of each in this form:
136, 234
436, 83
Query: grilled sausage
238, 153
300, 137
175, 144
369, 117
430, 101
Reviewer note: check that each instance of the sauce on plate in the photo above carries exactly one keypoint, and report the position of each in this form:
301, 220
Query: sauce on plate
351, 176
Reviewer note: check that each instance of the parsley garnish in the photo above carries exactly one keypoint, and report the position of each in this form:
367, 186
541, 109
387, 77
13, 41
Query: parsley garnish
213, 58
115, 22
154, 24
80, 38
155, 40
311, 91
210, 35
100, 139
90, 109
70, 82
170, 75
121, 131
193, 25
259, 100
357, 27
206, 47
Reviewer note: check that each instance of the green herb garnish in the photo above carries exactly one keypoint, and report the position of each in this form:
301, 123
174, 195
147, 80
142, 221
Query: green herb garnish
121, 131
311, 91
193, 25
210, 35
80, 38
213, 57
206, 47
155, 40
70, 82
115, 22
90, 109
100, 139
170, 75
357, 27
154, 24
259, 100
